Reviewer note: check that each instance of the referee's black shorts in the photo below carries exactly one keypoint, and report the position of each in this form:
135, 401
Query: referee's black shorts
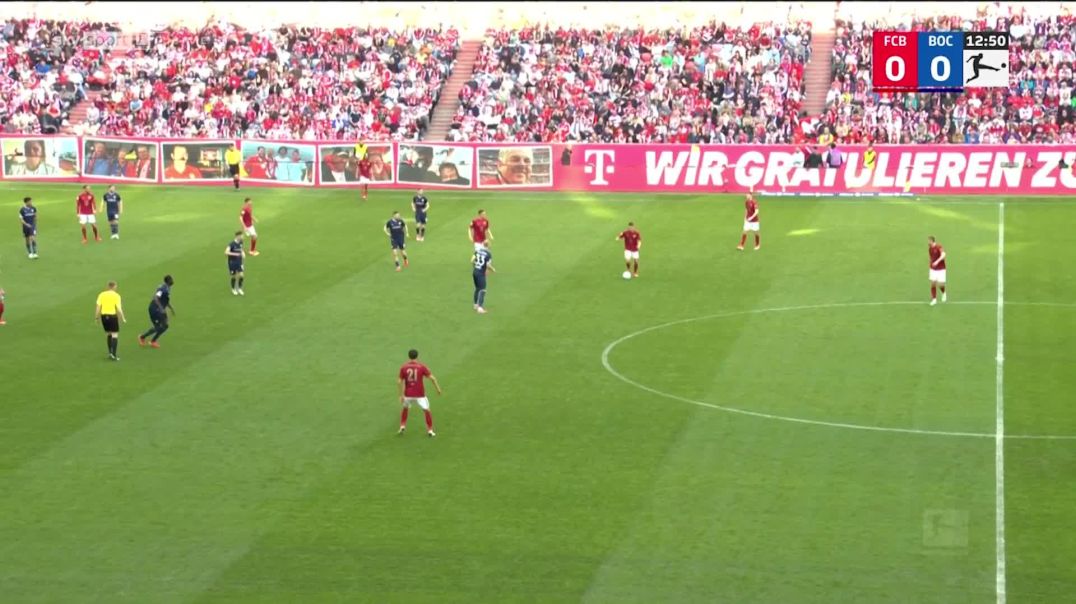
233, 169
111, 323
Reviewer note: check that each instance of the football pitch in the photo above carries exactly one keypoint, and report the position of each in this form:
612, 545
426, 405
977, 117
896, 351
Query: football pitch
793, 424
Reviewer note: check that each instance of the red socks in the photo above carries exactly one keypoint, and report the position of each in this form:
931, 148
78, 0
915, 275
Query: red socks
943, 289
429, 420
636, 266
758, 240
83, 232
403, 417
1, 310
934, 292
743, 239
253, 244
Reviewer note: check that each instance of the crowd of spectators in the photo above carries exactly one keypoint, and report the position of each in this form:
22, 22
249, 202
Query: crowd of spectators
706, 84
712, 83
44, 69
1038, 107
289, 83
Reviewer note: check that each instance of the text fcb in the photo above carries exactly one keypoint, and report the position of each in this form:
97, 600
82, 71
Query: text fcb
895, 61
943, 61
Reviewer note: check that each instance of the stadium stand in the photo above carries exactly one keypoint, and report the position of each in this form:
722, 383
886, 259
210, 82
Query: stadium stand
45, 69
1037, 108
739, 80
285, 83
712, 83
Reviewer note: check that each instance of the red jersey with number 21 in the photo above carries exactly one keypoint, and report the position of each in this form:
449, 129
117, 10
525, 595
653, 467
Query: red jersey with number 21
752, 209
85, 203
412, 373
631, 240
935, 253
479, 226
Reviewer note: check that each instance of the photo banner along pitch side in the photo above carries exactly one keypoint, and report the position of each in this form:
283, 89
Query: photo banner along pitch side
277, 162
39, 157
1017, 169
515, 166
119, 158
338, 163
436, 165
195, 160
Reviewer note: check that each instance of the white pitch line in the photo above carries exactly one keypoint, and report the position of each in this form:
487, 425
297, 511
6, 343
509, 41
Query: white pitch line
798, 420
999, 432
1055, 304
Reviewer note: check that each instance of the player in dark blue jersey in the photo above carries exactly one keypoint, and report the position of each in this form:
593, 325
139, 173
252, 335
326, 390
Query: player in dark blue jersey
481, 261
396, 229
235, 254
113, 207
420, 205
158, 313
28, 218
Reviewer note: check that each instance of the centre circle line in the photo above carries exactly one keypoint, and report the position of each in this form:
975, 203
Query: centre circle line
799, 420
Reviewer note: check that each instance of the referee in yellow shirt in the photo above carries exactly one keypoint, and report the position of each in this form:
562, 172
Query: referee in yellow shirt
110, 312
232, 157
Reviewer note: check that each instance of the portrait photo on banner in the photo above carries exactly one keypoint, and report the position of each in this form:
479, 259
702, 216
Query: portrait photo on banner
195, 160
110, 158
339, 163
515, 167
40, 157
281, 162
441, 165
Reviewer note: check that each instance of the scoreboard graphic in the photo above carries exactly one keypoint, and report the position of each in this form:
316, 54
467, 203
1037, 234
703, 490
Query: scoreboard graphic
945, 61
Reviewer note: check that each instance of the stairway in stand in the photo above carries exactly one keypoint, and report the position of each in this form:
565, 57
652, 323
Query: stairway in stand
818, 76
441, 120
77, 114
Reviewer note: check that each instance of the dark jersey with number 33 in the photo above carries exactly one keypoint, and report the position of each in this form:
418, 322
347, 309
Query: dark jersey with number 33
482, 258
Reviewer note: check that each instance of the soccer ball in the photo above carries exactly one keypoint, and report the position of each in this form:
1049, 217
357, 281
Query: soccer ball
626, 275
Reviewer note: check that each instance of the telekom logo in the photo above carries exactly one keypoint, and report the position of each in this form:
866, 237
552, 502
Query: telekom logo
600, 164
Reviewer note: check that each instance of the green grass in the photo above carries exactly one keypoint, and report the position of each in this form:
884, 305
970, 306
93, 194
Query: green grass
253, 458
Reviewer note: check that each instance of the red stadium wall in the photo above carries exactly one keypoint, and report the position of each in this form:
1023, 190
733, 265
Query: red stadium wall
772, 169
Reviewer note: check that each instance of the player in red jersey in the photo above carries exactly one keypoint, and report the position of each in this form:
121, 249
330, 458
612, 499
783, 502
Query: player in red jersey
479, 231
246, 218
937, 270
2, 321
633, 240
365, 174
87, 212
750, 222
413, 390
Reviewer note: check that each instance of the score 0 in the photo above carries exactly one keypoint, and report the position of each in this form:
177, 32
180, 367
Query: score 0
941, 60
895, 61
